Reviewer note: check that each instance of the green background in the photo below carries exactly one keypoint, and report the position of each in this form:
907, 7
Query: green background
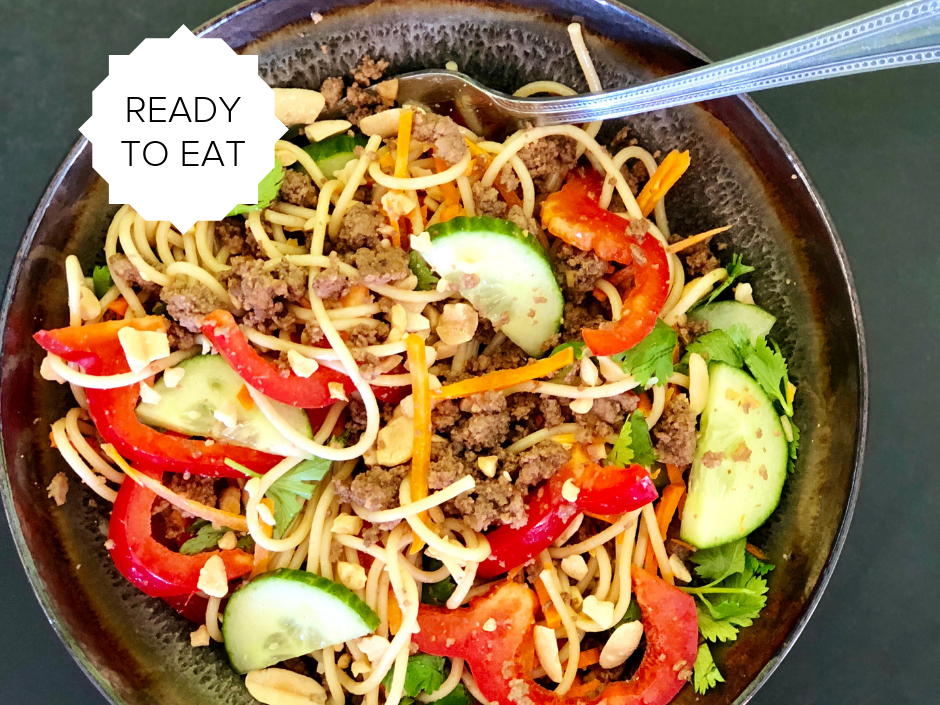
870, 143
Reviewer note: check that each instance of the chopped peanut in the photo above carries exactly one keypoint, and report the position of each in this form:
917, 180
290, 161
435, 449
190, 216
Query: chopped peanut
212, 578
574, 566
278, 686
621, 645
351, 575
458, 323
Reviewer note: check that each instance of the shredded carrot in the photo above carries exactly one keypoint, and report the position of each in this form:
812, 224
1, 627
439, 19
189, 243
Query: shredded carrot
404, 144
449, 211
475, 149
694, 240
587, 658
393, 613
262, 555
235, 522
620, 276
387, 161
118, 306
755, 551
599, 295
356, 296
244, 398
501, 379
689, 547
668, 173
52, 440
644, 405
664, 513
449, 189
675, 475
609, 518
552, 618
421, 453
670, 391
511, 197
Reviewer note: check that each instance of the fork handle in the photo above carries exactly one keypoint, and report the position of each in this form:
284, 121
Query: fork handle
907, 33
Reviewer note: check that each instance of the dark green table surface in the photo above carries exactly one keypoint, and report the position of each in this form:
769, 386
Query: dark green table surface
871, 144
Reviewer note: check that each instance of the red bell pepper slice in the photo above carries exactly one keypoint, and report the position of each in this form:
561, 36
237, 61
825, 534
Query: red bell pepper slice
574, 215
97, 350
88, 345
112, 410
502, 660
148, 564
602, 490
192, 607
304, 392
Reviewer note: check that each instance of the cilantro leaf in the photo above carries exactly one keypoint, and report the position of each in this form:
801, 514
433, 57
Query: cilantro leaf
426, 279
577, 346
705, 673
741, 608
436, 593
770, 370
737, 599
205, 538
716, 564
735, 270
713, 629
101, 276
268, 189
633, 444
717, 346
458, 696
288, 489
793, 446
740, 335
631, 615
756, 565
425, 674
651, 357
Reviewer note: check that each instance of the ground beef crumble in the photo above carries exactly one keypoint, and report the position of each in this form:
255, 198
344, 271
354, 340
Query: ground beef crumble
330, 283
577, 271
375, 489
699, 259
382, 265
332, 91
363, 226
188, 303
121, 266
443, 133
265, 294
298, 189
487, 201
233, 234
549, 160
368, 70
674, 433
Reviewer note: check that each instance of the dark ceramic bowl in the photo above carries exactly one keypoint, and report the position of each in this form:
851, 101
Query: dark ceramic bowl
744, 174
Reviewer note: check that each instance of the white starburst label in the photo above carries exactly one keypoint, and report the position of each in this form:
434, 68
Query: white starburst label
183, 129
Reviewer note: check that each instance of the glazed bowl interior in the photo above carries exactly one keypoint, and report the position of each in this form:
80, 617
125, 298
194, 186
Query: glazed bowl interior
742, 175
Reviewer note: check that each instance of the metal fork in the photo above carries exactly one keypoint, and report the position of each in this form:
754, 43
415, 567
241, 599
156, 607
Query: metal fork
907, 33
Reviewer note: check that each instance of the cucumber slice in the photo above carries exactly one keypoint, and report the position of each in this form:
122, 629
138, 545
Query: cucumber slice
740, 461
210, 385
288, 613
724, 314
504, 272
333, 153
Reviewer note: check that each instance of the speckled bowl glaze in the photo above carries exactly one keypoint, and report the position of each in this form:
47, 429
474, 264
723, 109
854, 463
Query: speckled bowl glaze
743, 174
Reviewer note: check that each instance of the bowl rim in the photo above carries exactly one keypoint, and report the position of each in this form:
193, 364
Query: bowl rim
861, 426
